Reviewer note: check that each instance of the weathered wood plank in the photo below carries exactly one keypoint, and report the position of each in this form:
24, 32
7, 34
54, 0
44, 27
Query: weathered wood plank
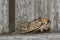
51, 36
58, 14
4, 16
27, 10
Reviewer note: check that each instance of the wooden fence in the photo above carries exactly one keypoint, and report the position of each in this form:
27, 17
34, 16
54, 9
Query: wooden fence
27, 10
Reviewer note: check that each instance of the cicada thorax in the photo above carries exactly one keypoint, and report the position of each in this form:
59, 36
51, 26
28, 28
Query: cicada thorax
45, 24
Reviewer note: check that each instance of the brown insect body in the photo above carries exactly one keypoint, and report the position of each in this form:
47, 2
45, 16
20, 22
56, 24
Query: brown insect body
41, 24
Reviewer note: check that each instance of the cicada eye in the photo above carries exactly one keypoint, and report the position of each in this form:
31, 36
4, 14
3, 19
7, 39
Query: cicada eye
49, 21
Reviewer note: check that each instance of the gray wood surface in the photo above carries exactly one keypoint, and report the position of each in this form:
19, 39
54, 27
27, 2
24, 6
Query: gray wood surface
51, 36
4, 16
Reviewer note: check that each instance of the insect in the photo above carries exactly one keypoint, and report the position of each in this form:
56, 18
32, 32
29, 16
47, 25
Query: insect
39, 24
